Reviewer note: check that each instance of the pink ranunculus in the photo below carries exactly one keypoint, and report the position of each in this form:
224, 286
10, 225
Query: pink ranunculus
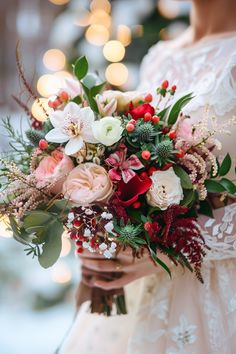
88, 183
54, 168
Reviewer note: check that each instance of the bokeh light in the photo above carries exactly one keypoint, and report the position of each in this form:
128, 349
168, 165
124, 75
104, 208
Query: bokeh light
54, 59
4, 228
100, 17
83, 18
66, 245
61, 273
40, 109
124, 35
61, 75
59, 2
168, 8
100, 5
97, 35
48, 85
117, 74
114, 51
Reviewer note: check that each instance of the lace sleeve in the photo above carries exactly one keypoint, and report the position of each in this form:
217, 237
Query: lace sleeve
220, 233
223, 97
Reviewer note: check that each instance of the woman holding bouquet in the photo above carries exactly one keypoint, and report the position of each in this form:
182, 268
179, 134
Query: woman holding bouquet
181, 315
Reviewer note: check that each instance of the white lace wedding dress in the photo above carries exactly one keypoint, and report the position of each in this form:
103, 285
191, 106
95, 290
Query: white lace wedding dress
180, 316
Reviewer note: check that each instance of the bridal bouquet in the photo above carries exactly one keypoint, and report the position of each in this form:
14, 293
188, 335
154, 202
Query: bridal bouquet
114, 171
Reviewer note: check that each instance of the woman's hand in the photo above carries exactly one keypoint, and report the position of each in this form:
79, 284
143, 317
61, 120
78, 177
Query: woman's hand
115, 273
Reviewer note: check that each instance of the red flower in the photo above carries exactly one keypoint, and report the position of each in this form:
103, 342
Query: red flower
129, 192
139, 111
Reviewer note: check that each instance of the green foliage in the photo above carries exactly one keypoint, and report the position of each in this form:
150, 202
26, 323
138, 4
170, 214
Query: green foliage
205, 208
34, 136
189, 197
128, 234
177, 107
47, 230
162, 151
229, 186
214, 186
81, 67
184, 177
225, 165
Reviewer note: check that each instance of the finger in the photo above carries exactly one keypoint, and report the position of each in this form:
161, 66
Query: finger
102, 265
104, 276
114, 284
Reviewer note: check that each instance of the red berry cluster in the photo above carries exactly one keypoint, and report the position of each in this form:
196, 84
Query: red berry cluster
61, 98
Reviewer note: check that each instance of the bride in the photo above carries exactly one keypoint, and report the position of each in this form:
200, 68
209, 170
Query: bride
179, 316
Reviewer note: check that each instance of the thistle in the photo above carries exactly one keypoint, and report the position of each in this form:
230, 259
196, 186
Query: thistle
144, 133
162, 151
128, 234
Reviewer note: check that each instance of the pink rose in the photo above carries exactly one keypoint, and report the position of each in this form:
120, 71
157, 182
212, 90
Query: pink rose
87, 183
54, 168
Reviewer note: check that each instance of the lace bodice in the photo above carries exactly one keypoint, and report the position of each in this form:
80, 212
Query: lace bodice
208, 69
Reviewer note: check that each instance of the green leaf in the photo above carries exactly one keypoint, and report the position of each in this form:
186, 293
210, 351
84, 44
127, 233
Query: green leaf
205, 208
228, 185
97, 89
89, 98
177, 107
162, 113
189, 197
214, 187
37, 218
158, 261
17, 234
60, 206
184, 177
52, 247
81, 68
77, 100
225, 166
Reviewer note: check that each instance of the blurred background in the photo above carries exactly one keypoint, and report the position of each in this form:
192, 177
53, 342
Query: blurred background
37, 305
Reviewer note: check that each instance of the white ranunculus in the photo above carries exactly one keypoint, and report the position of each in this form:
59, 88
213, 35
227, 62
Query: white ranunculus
165, 189
72, 126
107, 130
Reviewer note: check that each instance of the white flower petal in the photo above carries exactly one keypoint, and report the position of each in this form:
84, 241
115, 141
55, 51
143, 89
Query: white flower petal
57, 118
72, 87
73, 109
56, 136
74, 145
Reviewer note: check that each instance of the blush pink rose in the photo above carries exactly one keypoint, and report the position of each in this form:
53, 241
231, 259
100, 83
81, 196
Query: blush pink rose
86, 184
54, 168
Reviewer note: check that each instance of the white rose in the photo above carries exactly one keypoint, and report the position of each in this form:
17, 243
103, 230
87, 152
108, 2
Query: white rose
165, 190
107, 130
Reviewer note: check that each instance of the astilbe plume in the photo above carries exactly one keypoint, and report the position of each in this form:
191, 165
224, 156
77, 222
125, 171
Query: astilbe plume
23, 192
184, 236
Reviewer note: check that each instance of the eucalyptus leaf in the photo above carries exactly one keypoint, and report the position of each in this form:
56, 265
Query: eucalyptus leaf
81, 67
52, 247
17, 234
37, 218
184, 177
